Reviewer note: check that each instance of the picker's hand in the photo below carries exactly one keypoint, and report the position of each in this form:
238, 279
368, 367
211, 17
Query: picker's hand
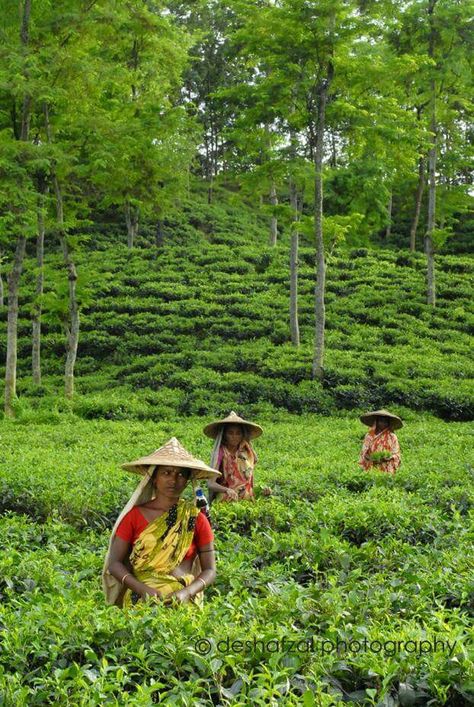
179, 597
150, 594
233, 495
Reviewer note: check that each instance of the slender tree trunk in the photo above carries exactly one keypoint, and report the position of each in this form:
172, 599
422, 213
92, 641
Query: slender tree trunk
131, 219
209, 171
294, 324
429, 245
12, 326
273, 220
388, 229
319, 293
135, 227
14, 277
72, 329
128, 221
25, 39
37, 308
210, 189
418, 198
2, 289
333, 151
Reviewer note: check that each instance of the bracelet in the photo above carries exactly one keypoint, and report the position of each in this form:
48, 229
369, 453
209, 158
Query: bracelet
127, 574
204, 585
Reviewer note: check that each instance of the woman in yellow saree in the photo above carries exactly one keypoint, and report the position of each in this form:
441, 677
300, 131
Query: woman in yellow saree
161, 547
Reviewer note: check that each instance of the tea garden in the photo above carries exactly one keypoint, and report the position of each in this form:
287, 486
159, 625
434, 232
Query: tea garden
343, 586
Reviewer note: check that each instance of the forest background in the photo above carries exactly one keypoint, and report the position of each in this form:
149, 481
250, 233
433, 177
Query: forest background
264, 206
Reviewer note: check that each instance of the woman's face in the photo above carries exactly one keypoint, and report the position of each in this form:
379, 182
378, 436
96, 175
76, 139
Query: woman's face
170, 481
233, 435
382, 423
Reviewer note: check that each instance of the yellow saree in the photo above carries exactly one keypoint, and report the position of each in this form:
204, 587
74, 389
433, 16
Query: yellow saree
161, 547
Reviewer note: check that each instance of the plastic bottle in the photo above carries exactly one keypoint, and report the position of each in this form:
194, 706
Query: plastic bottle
201, 502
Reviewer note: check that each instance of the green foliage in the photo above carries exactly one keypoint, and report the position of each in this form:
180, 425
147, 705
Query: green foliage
380, 456
336, 554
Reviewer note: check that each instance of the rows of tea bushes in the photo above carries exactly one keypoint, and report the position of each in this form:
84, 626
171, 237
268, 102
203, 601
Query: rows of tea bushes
200, 324
372, 564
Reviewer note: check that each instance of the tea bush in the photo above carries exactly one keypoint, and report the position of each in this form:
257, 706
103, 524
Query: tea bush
370, 564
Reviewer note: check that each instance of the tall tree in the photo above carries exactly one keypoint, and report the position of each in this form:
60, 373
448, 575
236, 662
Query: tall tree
439, 35
140, 142
17, 171
213, 68
305, 57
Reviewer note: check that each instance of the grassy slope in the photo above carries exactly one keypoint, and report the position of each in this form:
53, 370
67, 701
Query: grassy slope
201, 324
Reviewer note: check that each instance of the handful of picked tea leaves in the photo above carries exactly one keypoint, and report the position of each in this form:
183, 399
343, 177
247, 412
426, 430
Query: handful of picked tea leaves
378, 457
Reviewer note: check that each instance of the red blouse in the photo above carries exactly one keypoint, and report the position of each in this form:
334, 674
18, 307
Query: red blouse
135, 523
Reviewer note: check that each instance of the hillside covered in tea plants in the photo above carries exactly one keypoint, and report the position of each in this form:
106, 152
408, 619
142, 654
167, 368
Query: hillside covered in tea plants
200, 323
343, 586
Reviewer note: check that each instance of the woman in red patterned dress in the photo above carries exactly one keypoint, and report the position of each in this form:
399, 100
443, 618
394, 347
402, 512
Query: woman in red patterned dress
380, 449
235, 457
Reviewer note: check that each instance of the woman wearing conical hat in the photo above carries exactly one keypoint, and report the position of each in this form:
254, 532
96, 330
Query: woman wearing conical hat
161, 547
234, 456
380, 449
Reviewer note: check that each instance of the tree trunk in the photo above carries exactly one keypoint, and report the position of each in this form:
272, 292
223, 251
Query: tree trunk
418, 198
25, 38
319, 292
432, 155
333, 151
388, 229
131, 219
2, 290
14, 277
37, 307
12, 326
429, 246
210, 190
274, 220
208, 166
294, 325
72, 329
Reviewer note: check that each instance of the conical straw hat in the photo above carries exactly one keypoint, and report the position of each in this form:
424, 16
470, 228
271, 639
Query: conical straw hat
212, 429
172, 454
368, 418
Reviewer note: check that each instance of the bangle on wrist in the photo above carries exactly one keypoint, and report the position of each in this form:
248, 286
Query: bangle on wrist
127, 574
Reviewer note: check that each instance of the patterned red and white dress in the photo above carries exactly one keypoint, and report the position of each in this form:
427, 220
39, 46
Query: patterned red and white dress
385, 441
237, 471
